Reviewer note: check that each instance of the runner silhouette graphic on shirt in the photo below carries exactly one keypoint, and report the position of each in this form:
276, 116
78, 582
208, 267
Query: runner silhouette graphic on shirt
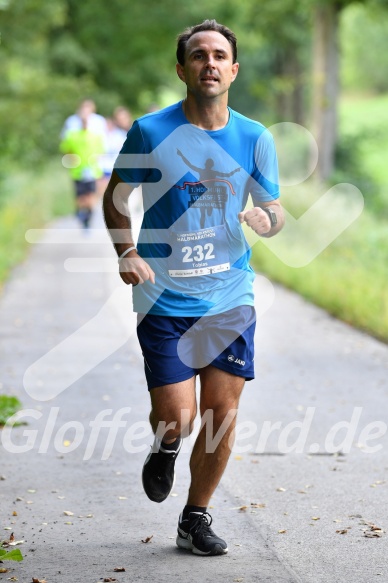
206, 174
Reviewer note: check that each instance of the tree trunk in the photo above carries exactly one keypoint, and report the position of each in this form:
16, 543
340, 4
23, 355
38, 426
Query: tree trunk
325, 85
298, 97
289, 97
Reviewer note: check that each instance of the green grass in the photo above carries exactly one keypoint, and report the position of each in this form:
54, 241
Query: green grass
29, 200
348, 279
365, 119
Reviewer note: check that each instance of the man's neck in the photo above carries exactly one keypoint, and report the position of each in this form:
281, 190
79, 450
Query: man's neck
207, 114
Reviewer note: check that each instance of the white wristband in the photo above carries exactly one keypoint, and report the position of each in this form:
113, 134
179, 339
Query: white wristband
133, 248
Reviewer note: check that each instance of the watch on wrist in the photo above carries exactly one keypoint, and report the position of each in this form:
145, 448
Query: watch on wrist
272, 215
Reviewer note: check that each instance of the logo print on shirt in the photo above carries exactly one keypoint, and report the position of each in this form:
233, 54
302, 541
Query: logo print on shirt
210, 196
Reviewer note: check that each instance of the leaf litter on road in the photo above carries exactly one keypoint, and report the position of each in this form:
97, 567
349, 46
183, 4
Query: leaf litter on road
373, 531
11, 542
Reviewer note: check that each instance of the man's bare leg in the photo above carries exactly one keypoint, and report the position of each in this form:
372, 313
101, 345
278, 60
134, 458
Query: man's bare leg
175, 406
172, 416
220, 394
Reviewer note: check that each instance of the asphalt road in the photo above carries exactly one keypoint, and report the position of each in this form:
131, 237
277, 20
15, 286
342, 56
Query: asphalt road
303, 498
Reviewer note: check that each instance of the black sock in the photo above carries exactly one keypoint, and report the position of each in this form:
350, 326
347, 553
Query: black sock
171, 446
187, 509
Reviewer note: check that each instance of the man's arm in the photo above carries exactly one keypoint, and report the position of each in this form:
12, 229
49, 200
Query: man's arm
133, 269
259, 220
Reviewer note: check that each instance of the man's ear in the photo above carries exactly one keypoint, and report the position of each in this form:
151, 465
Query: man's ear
180, 72
235, 68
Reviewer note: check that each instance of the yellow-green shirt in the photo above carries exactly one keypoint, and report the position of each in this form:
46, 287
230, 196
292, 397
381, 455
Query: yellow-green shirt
86, 148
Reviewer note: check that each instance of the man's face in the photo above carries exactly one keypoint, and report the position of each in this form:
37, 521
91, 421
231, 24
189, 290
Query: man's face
123, 119
208, 70
87, 107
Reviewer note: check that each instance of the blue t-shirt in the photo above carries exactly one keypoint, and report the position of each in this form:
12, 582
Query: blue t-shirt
194, 184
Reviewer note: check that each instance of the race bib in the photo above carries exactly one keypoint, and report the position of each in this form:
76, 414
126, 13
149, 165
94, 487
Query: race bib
198, 253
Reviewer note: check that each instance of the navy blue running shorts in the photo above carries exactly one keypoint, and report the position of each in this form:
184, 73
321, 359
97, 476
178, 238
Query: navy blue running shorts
175, 349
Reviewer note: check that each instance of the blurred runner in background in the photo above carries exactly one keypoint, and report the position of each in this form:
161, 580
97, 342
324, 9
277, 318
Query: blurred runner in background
117, 128
96, 122
82, 148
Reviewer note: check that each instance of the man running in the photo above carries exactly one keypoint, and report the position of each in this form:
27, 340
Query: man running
194, 285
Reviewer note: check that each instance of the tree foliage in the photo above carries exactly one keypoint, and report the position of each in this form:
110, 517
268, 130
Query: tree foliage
55, 53
33, 96
365, 70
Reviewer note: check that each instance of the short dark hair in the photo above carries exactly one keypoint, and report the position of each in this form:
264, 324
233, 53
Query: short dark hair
205, 25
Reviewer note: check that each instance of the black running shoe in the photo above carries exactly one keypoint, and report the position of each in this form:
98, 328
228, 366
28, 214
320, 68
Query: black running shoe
158, 471
196, 535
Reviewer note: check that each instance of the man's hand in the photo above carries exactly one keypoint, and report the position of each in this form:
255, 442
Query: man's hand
257, 219
134, 270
